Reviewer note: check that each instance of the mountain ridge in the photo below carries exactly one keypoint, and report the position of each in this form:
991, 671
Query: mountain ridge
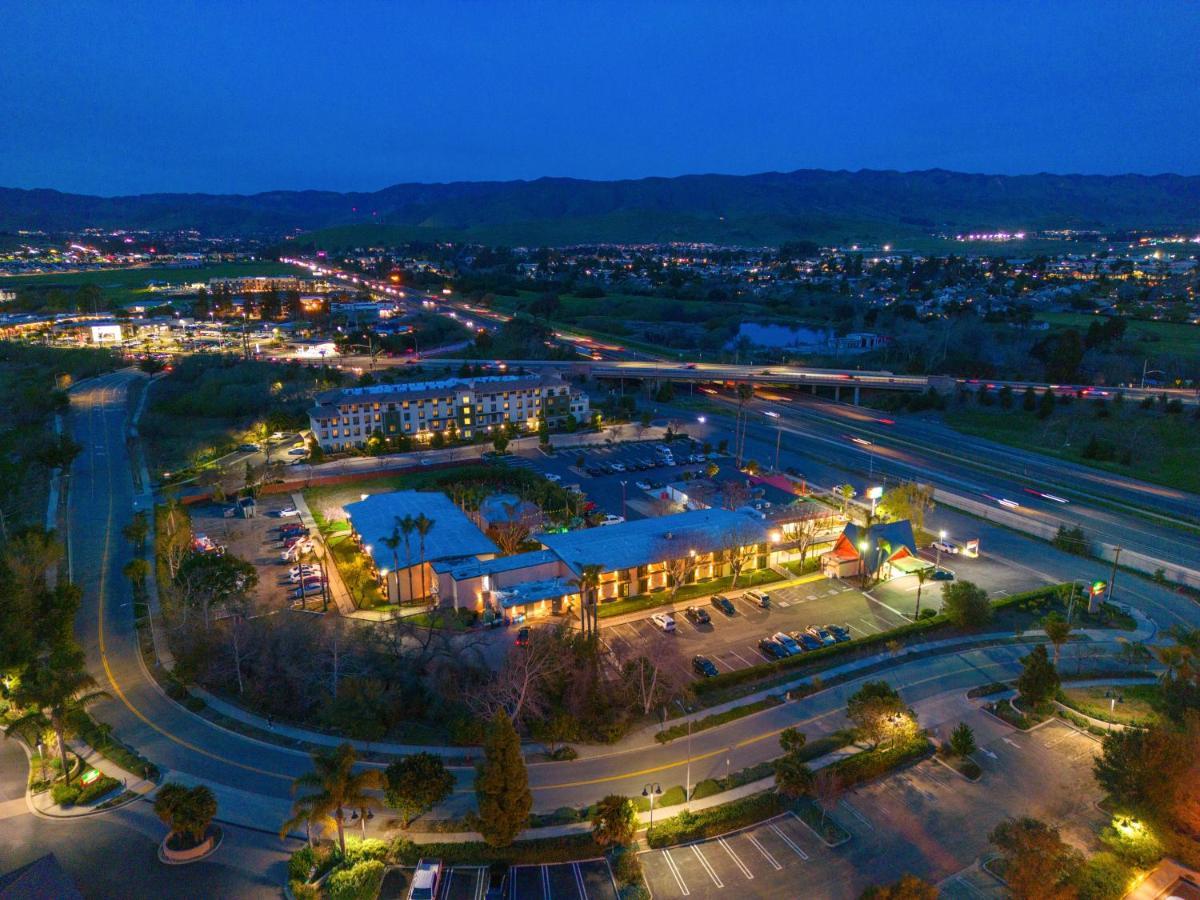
774, 205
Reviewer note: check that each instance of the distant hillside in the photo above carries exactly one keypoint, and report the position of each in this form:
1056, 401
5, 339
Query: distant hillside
750, 209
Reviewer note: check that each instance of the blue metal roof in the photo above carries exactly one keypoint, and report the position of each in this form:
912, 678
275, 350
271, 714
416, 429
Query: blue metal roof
453, 534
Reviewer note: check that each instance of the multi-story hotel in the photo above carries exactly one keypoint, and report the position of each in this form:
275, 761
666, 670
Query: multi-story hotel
344, 419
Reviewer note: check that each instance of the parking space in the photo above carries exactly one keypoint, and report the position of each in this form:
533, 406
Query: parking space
732, 642
769, 859
589, 879
464, 883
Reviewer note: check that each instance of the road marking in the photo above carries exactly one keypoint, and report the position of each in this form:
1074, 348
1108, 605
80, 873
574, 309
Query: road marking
546, 882
741, 865
707, 868
763, 850
579, 881
854, 812
787, 840
871, 626
739, 656
718, 660
683, 888
854, 627
1013, 743
988, 752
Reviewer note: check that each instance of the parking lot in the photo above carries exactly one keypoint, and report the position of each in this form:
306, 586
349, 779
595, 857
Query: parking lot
731, 642
604, 487
588, 879
256, 540
926, 820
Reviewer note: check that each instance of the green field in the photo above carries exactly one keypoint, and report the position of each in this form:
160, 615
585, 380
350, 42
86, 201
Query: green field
1147, 444
129, 285
1152, 339
1140, 704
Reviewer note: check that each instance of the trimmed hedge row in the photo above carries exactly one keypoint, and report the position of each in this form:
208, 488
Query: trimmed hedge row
690, 826
872, 763
550, 850
768, 669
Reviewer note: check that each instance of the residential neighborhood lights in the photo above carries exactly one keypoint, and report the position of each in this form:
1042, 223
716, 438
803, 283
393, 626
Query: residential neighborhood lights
652, 790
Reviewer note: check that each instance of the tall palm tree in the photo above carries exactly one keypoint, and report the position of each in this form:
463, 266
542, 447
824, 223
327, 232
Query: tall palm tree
307, 812
423, 525
407, 525
58, 688
392, 542
922, 576
335, 787
587, 584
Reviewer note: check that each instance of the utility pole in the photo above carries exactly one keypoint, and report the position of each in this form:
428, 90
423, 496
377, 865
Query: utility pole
778, 440
1112, 581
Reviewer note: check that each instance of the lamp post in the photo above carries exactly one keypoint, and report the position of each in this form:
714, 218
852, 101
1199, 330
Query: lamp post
652, 790
938, 548
863, 547
623, 483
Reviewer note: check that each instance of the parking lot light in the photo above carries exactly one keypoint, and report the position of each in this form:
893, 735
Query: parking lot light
652, 790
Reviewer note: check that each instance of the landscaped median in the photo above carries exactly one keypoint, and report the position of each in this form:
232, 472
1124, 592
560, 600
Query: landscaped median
642, 602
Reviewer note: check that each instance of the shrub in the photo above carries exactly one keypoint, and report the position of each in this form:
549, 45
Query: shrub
873, 763
672, 796
1136, 844
962, 740
64, 793
965, 604
542, 850
1103, 877
358, 882
564, 753
97, 789
689, 826
359, 850
706, 788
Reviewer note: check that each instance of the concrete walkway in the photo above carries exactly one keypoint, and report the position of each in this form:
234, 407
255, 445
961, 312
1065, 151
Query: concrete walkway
43, 804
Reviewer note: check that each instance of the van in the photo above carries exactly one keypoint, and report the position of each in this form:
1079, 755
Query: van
761, 598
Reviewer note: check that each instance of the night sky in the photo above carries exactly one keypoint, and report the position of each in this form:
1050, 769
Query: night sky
168, 96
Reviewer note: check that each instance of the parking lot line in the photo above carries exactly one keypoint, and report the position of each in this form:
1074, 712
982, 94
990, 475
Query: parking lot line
871, 626
545, 881
741, 865
579, 881
718, 661
707, 868
787, 840
739, 656
683, 888
763, 850
845, 804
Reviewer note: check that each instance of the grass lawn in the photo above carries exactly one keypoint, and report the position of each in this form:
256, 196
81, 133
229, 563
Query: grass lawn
1152, 339
1140, 704
1158, 447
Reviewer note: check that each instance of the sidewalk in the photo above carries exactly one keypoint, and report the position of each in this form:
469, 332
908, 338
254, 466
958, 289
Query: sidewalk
43, 805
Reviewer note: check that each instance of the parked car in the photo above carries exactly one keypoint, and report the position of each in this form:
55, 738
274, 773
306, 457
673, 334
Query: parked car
642, 485
288, 512
594, 470
618, 467
292, 528
550, 476
248, 448
523, 637
426, 880
697, 615
787, 643
724, 604
665, 621
612, 520
807, 641
944, 546
761, 598
704, 666
821, 635
305, 573
298, 549
839, 633
942, 575
771, 649
307, 590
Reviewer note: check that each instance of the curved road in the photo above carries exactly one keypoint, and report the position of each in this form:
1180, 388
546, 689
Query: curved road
253, 778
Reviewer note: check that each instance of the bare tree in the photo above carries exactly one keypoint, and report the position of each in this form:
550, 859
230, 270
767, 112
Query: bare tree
739, 545
519, 688
827, 789
805, 535
518, 524
656, 672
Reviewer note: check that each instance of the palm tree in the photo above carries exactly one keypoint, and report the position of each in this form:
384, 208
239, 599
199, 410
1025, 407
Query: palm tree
922, 577
137, 531
336, 787
423, 525
407, 525
392, 542
586, 584
58, 688
307, 812
1057, 630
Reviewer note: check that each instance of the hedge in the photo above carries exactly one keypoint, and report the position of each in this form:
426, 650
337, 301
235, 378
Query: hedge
359, 882
690, 826
767, 669
549, 850
97, 789
872, 763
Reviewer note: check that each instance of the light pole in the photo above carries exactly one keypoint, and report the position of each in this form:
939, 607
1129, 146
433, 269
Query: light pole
863, 547
652, 790
938, 548
623, 483
778, 440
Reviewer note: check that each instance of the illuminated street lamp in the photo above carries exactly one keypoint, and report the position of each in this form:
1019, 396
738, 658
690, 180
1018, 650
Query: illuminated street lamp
873, 494
863, 547
938, 548
652, 790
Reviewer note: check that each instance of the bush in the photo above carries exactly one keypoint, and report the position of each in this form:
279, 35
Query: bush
97, 789
64, 793
706, 788
1103, 877
873, 763
672, 797
358, 882
689, 826
543, 850
1137, 845
359, 850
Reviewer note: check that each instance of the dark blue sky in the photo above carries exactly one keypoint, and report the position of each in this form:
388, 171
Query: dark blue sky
115, 98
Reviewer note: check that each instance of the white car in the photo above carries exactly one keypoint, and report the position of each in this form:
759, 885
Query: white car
294, 552
944, 546
307, 573
665, 621
612, 520
307, 589
618, 467
642, 485
288, 512
550, 476
298, 451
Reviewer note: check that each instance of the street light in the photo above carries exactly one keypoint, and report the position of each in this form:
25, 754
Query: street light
863, 547
938, 548
652, 790
623, 483
873, 494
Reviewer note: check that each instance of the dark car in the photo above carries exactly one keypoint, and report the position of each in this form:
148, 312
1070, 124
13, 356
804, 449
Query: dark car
497, 881
594, 470
697, 615
839, 633
807, 641
943, 575
821, 634
704, 666
771, 649
723, 603
523, 637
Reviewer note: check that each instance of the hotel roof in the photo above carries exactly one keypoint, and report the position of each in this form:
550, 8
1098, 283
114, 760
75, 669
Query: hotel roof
653, 540
452, 535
